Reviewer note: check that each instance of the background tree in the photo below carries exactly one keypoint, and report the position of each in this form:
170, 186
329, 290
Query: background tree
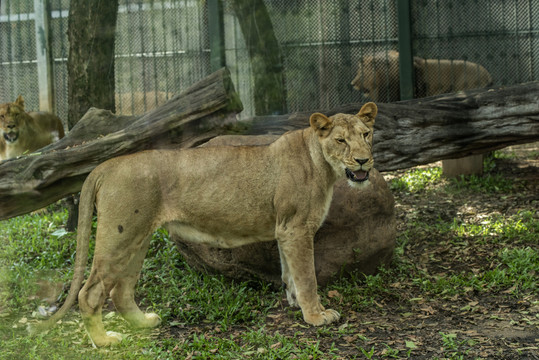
90, 65
265, 55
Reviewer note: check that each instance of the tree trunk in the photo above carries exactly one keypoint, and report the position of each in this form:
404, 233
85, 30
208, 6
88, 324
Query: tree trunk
265, 55
90, 66
407, 134
201, 112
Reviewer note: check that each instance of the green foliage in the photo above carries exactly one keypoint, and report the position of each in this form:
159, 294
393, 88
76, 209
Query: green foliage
521, 228
489, 183
198, 297
416, 180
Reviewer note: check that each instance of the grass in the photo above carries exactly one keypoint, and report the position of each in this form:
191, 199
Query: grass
444, 263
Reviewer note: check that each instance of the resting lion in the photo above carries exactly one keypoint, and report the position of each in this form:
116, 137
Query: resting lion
22, 132
378, 76
223, 196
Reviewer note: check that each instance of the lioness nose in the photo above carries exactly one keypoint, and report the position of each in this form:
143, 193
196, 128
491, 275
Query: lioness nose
361, 161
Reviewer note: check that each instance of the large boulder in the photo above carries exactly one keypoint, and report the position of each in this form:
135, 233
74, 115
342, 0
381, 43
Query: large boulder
358, 234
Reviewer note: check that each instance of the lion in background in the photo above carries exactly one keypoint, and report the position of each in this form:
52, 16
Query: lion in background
378, 76
223, 196
22, 132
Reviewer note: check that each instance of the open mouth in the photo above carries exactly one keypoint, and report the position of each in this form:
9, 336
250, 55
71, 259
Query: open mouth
357, 176
11, 137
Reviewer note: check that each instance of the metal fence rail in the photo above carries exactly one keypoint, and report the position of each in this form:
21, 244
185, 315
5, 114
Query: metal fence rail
164, 46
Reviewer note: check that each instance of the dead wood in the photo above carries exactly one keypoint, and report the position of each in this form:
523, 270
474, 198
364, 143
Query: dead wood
201, 112
408, 133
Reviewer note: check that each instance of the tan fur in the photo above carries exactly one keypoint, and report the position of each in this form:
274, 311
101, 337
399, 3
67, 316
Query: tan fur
22, 132
378, 76
222, 196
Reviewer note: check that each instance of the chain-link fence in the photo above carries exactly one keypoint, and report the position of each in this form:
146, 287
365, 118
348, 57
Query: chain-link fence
18, 73
333, 51
161, 48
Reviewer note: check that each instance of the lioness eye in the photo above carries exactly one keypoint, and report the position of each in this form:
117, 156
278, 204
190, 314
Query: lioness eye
342, 141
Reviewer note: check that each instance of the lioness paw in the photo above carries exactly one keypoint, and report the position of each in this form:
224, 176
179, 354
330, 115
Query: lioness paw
111, 338
152, 320
325, 317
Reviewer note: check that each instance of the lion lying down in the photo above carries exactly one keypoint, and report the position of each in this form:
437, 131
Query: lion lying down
223, 196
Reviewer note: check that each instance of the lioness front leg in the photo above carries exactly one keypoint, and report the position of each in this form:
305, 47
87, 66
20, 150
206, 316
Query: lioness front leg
288, 281
299, 256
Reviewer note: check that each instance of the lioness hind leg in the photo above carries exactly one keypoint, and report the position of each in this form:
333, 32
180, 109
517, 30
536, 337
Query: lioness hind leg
91, 299
117, 263
123, 293
299, 255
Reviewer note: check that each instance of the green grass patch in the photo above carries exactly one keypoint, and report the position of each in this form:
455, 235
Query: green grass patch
489, 183
175, 290
416, 180
520, 228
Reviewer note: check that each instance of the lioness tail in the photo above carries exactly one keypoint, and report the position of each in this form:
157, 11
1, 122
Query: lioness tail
86, 209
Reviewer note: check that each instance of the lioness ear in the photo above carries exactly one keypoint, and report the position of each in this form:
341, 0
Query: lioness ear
20, 101
368, 113
320, 123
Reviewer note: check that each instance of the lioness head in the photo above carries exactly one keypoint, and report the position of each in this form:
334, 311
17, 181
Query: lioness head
346, 142
11, 117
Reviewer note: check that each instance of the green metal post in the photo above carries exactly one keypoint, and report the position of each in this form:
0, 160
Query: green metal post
216, 34
406, 65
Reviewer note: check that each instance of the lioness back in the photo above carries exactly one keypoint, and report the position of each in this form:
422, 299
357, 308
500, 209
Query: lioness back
204, 193
22, 132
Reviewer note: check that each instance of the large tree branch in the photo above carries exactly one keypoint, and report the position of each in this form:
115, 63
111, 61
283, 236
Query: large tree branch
201, 112
407, 133
421, 131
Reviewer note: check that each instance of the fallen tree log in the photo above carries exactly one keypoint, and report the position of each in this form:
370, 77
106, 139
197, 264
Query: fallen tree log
408, 133
449, 126
196, 115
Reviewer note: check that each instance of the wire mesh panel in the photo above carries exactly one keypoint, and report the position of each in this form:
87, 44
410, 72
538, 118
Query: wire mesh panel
238, 61
333, 51
323, 42
161, 48
473, 43
18, 71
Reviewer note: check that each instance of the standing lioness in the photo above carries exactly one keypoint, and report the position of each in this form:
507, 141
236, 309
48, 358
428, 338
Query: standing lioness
223, 196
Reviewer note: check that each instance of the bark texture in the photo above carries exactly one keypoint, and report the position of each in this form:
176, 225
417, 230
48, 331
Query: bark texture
90, 65
407, 134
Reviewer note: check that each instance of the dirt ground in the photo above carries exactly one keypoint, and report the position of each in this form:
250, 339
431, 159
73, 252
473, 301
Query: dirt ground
476, 325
